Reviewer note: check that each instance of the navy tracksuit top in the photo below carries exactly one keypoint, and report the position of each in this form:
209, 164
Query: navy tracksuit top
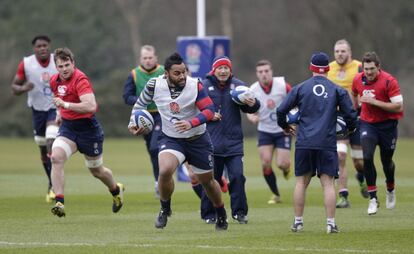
227, 134
318, 100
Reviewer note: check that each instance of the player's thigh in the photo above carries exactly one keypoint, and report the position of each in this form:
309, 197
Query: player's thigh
282, 156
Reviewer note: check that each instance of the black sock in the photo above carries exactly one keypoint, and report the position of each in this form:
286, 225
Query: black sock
198, 189
60, 198
344, 194
115, 191
270, 178
166, 205
220, 211
373, 194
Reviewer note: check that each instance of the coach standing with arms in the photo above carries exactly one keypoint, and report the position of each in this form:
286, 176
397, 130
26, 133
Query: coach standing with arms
381, 108
315, 152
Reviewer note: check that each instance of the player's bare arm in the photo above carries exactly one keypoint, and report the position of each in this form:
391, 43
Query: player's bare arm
20, 86
387, 106
86, 105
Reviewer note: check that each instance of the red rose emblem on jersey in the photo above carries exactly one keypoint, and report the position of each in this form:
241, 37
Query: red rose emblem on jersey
174, 108
45, 77
271, 104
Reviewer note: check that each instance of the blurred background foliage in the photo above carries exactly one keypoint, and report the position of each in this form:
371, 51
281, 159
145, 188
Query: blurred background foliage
105, 36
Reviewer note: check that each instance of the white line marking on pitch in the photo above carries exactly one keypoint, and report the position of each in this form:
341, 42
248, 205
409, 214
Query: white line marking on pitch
144, 245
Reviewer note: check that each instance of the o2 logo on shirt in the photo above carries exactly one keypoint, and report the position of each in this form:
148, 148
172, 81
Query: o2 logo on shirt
62, 90
319, 90
174, 108
368, 93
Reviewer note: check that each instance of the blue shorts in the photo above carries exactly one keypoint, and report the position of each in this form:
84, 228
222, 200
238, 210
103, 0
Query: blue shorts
355, 137
87, 133
40, 119
198, 151
316, 162
279, 140
384, 134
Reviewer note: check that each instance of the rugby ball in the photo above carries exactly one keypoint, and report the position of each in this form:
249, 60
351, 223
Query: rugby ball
293, 116
341, 129
240, 93
144, 119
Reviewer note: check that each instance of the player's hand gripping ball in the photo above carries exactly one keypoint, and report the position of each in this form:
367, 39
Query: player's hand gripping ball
240, 93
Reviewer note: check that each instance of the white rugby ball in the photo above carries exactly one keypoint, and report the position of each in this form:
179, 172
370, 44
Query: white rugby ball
144, 119
240, 93
293, 116
341, 128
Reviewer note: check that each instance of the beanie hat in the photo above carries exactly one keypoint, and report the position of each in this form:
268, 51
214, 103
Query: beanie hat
319, 63
219, 61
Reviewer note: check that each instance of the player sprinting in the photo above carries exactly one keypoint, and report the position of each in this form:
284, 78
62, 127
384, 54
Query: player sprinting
79, 130
184, 107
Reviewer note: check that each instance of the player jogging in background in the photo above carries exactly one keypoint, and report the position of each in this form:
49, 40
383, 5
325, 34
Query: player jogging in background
79, 130
184, 107
271, 91
32, 77
342, 72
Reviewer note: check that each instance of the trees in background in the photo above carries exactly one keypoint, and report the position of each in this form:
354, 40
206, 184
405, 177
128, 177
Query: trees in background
105, 36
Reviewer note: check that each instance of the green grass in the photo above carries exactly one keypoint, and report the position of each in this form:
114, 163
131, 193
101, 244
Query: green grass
27, 226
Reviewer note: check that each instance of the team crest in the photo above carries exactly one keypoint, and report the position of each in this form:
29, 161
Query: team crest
174, 108
45, 77
271, 104
62, 90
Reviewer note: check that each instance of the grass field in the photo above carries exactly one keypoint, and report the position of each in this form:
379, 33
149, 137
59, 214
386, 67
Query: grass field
27, 226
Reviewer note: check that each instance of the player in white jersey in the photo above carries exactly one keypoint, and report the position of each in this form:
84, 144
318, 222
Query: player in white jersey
184, 107
271, 91
32, 77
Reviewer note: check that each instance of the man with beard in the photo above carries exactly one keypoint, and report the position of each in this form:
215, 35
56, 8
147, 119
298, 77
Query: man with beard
184, 107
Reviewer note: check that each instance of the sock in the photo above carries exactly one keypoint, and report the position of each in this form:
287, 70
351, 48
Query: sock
60, 198
198, 189
344, 193
115, 191
166, 205
330, 221
372, 190
298, 220
220, 211
270, 178
390, 187
360, 177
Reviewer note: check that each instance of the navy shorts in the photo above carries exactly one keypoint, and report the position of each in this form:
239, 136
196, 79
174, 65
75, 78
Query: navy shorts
317, 162
384, 134
279, 140
355, 137
87, 133
151, 139
198, 151
40, 119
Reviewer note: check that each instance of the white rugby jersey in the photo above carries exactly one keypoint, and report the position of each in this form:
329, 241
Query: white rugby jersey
40, 97
269, 103
171, 110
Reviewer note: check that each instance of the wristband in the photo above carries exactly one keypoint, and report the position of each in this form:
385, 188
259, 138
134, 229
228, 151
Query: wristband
66, 105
